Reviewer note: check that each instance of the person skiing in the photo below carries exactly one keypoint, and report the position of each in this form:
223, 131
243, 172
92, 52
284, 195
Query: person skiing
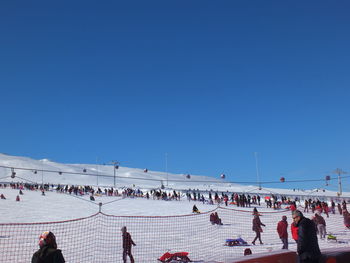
282, 231
127, 242
257, 228
48, 252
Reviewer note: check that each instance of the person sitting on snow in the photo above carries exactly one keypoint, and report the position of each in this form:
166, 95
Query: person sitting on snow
2, 196
215, 219
195, 209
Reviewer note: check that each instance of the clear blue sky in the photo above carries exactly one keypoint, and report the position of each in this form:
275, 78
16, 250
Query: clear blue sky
208, 82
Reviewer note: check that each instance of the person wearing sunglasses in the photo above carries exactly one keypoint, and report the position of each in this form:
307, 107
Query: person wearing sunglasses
307, 243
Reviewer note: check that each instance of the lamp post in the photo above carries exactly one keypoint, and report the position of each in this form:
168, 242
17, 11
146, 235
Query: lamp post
115, 167
339, 172
257, 170
166, 168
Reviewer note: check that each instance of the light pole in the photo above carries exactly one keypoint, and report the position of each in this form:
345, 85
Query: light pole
166, 168
115, 167
339, 172
257, 170
97, 171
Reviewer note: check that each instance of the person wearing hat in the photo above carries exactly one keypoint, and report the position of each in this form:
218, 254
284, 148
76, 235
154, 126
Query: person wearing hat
282, 231
127, 242
48, 252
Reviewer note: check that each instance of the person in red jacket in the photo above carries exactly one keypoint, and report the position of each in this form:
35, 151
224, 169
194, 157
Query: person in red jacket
282, 231
294, 231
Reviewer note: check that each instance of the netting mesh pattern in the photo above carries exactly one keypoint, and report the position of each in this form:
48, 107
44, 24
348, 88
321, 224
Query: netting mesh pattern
98, 238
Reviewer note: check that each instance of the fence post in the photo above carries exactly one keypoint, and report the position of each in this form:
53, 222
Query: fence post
99, 207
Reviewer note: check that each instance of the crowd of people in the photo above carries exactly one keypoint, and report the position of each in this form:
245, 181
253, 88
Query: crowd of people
303, 230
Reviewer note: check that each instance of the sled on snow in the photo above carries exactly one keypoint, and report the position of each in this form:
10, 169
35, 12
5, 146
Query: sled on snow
180, 257
235, 242
331, 238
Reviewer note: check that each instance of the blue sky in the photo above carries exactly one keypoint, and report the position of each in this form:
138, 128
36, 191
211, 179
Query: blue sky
209, 83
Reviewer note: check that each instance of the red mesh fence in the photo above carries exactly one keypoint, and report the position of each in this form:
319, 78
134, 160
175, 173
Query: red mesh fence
98, 238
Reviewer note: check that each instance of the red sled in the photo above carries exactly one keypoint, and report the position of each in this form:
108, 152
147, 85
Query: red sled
175, 257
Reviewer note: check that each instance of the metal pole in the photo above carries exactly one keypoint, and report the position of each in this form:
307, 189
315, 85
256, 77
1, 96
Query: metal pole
339, 171
42, 176
257, 170
97, 171
166, 168
114, 174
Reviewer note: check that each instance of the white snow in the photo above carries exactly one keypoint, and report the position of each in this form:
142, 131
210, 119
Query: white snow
147, 220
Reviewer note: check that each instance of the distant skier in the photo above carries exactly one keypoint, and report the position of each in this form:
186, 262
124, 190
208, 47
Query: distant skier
127, 243
17, 198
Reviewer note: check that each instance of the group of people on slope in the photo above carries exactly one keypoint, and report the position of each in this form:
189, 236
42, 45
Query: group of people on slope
304, 232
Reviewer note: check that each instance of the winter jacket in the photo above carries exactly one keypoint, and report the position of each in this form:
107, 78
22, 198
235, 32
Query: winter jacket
127, 241
346, 216
257, 224
307, 240
282, 229
319, 220
48, 255
294, 231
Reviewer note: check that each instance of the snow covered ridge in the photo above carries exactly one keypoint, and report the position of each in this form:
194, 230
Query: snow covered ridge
46, 171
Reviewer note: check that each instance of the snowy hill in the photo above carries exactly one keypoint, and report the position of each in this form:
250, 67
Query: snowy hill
47, 171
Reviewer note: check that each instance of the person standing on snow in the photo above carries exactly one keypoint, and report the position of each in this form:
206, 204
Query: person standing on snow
127, 242
257, 228
307, 244
321, 225
48, 252
282, 231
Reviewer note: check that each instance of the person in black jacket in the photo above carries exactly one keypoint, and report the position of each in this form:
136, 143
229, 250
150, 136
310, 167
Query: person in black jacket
307, 244
48, 252
127, 242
